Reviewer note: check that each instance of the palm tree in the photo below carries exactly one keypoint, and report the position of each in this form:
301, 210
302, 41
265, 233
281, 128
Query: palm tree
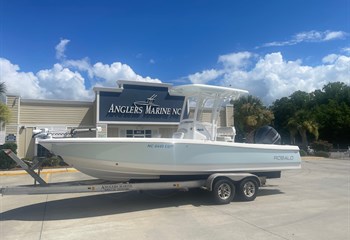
250, 114
302, 123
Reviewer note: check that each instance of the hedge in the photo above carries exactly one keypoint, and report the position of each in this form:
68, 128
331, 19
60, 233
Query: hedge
5, 161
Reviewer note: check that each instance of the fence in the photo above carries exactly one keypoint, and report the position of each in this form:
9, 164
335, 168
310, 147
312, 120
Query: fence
341, 154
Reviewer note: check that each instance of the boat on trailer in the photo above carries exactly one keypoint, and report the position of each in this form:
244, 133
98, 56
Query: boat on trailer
197, 150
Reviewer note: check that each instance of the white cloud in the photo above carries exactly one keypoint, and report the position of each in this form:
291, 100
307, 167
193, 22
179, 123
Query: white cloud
272, 77
236, 60
346, 50
25, 84
331, 58
62, 83
61, 48
310, 36
107, 74
80, 64
269, 77
204, 76
55, 83
117, 71
334, 35
65, 80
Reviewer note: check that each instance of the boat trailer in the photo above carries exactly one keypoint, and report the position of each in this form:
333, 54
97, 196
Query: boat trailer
223, 186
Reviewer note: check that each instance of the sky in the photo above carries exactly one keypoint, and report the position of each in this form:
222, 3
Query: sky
62, 49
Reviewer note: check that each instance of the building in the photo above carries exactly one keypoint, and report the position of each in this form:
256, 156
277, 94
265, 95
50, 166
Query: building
132, 109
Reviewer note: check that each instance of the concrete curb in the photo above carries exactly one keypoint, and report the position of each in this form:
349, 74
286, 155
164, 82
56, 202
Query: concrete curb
322, 158
44, 171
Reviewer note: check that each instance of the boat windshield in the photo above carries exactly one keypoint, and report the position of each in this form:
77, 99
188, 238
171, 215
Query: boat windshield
202, 114
201, 110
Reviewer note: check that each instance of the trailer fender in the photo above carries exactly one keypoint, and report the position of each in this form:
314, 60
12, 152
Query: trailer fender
234, 177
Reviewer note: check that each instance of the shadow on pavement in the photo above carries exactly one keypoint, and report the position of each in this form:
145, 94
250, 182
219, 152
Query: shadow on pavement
113, 203
106, 204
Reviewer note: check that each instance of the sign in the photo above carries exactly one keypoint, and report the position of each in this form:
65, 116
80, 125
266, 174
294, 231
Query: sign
138, 103
10, 138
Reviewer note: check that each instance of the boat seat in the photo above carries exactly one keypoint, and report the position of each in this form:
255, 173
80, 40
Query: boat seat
178, 135
226, 134
224, 139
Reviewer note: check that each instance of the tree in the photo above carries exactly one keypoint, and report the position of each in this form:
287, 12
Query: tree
285, 108
332, 112
4, 111
336, 91
329, 107
2, 88
302, 123
250, 114
334, 121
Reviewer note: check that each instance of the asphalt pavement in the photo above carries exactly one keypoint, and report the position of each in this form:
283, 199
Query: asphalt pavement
311, 203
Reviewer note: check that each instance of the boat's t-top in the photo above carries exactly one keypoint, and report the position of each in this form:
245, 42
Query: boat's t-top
201, 111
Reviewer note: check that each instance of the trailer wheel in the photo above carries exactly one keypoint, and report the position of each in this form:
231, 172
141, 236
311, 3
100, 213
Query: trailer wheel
248, 189
223, 191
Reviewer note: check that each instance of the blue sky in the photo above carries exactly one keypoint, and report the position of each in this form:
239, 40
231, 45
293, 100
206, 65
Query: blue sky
61, 49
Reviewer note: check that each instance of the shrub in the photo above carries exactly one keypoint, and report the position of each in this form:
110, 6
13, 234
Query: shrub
321, 146
5, 161
53, 161
322, 154
49, 161
302, 153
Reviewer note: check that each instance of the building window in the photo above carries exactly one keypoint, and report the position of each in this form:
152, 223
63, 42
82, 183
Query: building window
139, 133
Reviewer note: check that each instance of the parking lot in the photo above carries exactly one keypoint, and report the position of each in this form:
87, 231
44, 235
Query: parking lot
311, 203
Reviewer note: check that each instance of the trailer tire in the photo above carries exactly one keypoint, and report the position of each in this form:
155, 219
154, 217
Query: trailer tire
223, 191
248, 189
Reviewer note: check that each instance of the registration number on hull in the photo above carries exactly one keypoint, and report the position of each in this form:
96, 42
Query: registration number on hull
160, 146
281, 158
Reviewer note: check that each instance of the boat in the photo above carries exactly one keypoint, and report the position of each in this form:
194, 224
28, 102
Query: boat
198, 149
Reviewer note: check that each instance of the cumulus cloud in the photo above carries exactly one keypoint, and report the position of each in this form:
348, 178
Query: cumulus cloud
329, 59
309, 36
55, 83
271, 77
231, 62
110, 73
204, 76
236, 60
25, 84
105, 74
65, 79
62, 83
61, 48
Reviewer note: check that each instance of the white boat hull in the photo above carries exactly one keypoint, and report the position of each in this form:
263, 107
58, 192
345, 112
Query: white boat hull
122, 159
